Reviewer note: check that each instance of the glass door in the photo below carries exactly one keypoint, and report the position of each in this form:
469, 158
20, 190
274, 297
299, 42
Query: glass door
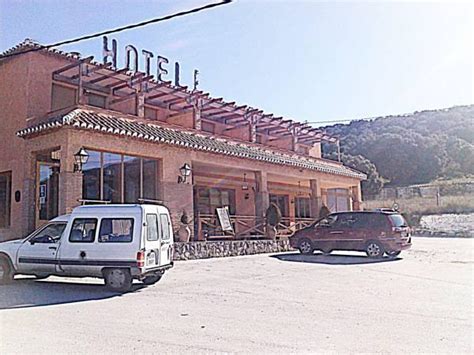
47, 184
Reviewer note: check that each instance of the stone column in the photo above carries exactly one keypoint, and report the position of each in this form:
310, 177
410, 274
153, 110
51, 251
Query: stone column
315, 197
356, 198
178, 197
28, 194
70, 182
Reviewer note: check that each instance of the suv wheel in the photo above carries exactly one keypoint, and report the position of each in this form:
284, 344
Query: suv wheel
374, 249
393, 254
6, 272
305, 246
118, 280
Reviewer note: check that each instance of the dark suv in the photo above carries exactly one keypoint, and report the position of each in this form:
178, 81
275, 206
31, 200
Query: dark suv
375, 233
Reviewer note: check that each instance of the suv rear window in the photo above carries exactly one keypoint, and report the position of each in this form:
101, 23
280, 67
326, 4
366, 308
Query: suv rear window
397, 220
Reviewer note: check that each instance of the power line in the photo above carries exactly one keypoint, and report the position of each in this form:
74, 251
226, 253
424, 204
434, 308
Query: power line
124, 28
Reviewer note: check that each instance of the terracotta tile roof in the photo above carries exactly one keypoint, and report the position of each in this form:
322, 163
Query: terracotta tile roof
111, 124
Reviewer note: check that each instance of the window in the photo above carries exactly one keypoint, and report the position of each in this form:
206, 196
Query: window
150, 171
83, 230
5, 199
208, 127
112, 175
208, 199
165, 226
282, 202
91, 172
116, 230
119, 178
151, 227
345, 221
62, 96
302, 207
338, 200
50, 234
132, 178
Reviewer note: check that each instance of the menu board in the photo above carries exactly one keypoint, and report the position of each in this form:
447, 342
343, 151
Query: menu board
224, 219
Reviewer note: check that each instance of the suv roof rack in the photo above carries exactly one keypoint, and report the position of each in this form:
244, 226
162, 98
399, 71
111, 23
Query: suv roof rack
94, 202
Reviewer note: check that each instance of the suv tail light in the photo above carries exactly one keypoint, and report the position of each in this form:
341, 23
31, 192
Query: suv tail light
141, 258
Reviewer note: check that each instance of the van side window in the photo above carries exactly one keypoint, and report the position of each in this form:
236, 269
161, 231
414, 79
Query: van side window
83, 230
116, 230
165, 226
151, 227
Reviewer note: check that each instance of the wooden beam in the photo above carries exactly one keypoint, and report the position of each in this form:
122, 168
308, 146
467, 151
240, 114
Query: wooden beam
65, 79
70, 66
105, 76
174, 101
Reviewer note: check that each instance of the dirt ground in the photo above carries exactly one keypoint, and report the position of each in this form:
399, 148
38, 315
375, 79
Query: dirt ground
342, 303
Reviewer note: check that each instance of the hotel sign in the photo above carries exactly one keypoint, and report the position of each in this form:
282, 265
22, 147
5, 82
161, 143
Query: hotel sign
131, 62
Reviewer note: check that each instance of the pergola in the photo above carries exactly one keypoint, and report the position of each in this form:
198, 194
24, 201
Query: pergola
122, 85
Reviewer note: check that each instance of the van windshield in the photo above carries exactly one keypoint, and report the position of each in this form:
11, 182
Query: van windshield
397, 220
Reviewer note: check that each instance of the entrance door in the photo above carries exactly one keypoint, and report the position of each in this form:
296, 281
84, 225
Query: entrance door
47, 191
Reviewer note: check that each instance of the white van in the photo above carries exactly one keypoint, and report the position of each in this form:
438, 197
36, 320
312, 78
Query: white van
116, 242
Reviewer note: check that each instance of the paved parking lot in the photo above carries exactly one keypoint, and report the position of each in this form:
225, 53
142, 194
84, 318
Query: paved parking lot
420, 302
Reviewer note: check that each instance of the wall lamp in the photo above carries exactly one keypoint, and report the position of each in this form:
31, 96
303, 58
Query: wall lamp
80, 158
185, 171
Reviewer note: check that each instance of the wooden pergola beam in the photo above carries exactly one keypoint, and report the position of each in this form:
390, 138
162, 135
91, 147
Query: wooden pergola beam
70, 66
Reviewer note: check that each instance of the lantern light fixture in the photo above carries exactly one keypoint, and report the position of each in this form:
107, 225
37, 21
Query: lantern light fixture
185, 171
80, 158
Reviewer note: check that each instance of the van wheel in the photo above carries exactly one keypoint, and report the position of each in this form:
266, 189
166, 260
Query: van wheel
118, 280
152, 279
6, 271
305, 246
393, 254
374, 249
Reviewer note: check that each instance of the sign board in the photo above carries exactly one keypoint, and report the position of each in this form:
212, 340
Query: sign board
42, 194
224, 219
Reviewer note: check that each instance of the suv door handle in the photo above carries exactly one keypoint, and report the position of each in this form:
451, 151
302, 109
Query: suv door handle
53, 248
336, 232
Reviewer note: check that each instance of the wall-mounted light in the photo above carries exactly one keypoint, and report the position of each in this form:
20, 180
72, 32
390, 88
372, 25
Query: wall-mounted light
80, 158
185, 171
245, 187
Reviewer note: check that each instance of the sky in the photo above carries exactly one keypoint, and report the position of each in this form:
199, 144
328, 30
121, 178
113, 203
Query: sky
305, 60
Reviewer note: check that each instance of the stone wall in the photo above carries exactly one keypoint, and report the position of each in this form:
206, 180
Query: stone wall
216, 249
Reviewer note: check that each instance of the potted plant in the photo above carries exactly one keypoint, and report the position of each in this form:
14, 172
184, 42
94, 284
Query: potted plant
273, 218
324, 211
184, 233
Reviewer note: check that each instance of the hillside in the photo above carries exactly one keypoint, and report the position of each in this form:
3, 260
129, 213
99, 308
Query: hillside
409, 149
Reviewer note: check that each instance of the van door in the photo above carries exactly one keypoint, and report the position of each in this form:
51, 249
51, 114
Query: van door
77, 248
166, 239
153, 242
38, 253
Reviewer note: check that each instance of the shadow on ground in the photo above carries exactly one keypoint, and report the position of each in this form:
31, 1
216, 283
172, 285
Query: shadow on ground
334, 259
26, 293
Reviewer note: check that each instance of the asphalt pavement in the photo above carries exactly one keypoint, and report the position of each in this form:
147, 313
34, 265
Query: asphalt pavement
342, 303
